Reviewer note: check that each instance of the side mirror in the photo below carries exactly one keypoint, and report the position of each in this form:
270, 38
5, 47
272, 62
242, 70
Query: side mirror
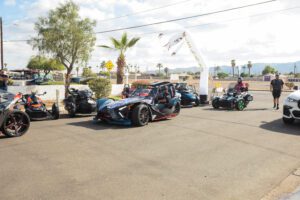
45, 93
295, 87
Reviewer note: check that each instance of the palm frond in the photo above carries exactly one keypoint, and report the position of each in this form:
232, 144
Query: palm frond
132, 42
105, 46
116, 43
124, 39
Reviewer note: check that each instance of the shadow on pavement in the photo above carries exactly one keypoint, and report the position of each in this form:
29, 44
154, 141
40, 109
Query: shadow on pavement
279, 127
246, 110
97, 125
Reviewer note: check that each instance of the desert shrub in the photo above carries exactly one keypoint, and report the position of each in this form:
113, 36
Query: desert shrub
140, 84
290, 85
101, 87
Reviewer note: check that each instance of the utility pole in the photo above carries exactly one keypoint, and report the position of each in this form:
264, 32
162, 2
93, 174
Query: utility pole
295, 69
1, 43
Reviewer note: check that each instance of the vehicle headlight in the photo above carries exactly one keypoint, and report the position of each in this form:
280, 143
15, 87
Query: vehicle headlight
290, 99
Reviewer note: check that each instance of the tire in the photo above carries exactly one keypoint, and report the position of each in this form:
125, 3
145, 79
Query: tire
140, 115
55, 111
16, 124
177, 109
288, 120
197, 102
215, 104
240, 105
72, 111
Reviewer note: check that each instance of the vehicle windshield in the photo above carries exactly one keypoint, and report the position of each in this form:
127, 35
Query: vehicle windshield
142, 92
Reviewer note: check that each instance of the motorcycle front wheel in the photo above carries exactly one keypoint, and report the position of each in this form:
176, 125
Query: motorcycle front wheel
15, 124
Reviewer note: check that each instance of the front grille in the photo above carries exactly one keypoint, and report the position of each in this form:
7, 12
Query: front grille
286, 111
296, 113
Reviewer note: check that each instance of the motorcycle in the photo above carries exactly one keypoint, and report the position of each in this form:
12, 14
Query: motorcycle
13, 122
37, 110
233, 99
80, 102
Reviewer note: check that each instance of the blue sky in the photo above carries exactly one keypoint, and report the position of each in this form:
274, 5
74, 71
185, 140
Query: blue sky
264, 33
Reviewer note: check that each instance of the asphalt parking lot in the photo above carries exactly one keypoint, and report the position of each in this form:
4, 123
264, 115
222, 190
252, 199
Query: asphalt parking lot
201, 154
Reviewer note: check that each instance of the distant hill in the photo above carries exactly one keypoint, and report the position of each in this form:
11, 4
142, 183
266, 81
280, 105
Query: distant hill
256, 69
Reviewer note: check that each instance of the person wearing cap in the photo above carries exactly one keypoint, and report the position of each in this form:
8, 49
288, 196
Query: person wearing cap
3, 80
276, 87
240, 86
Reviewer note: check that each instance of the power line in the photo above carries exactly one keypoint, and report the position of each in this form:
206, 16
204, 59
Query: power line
193, 26
145, 11
229, 20
184, 18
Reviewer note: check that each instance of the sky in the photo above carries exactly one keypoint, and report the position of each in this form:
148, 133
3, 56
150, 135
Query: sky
264, 33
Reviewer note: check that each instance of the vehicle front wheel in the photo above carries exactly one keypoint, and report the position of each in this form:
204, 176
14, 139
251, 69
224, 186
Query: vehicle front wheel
15, 124
55, 111
197, 101
240, 105
140, 115
288, 120
215, 104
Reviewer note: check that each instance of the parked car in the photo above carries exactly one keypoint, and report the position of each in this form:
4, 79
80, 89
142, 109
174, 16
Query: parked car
291, 108
188, 94
156, 102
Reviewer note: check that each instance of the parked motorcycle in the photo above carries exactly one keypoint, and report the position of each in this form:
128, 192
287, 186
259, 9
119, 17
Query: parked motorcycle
80, 102
37, 110
13, 122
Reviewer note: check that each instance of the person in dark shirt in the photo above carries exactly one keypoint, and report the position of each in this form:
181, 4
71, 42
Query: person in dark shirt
276, 88
3, 80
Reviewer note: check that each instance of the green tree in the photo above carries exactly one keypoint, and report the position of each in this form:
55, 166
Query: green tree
44, 64
121, 46
77, 71
222, 75
102, 66
249, 65
244, 69
159, 66
269, 70
87, 72
66, 36
166, 70
101, 87
233, 64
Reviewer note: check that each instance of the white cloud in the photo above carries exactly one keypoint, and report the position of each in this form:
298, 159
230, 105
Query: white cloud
271, 37
10, 2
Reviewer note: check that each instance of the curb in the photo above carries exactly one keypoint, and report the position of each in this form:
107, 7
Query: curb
287, 189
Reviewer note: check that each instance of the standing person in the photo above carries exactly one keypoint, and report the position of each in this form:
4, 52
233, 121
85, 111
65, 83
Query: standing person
276, 88
3, 80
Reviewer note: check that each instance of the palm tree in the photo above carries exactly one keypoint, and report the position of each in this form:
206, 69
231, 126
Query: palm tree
122, 46
249, 65
159, 66
77, 70
233, 66
217, 69
166, 71
244, 69
102, 66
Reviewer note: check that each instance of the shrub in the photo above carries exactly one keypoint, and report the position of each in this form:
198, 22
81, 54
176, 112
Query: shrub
101, 87
244, 75
290, 85
140, 84
105, 74
222, 75
10, 82
53, 83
